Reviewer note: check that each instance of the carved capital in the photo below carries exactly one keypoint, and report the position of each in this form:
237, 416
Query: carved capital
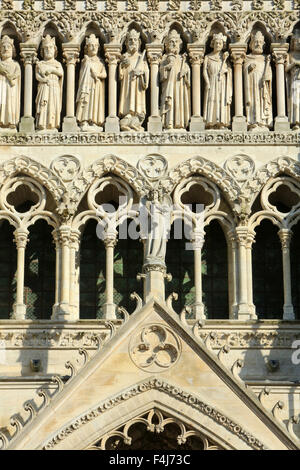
75, 239
71, 54
242, 235
110, 240
112, 53
285, 236
279, 53
21, 237
238, 53
196, 53
154, 53
28, 53
198, 240
65, 235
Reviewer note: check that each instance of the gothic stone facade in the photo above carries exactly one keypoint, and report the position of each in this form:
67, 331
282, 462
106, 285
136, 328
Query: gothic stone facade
167, 103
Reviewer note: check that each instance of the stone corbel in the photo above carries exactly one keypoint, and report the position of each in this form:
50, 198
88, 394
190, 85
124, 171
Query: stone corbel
28, 55
71, 55
154, 55
112, 55
196, 56
279, 52
238, 54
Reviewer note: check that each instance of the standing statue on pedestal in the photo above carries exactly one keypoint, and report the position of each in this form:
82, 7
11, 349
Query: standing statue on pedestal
10, 78
134, 77
293, 81
217, 75
176, 83
158, 208
258, 85
90, 112
49, 74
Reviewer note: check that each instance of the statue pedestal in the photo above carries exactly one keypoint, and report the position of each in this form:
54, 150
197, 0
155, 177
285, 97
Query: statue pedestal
26, 124
281, 124
70, 124
239, 124
197, 124
154, 124
112, 124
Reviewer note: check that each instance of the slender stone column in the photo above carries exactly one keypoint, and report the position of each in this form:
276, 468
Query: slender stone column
196, 55
71, 54
244, 311
109, 308
74, 274
250, 240
285, 236
280, 55
63, 311
154, 54
56, 240
198, 306
112, 54
233, 276
238, 54
19, 308
28, 54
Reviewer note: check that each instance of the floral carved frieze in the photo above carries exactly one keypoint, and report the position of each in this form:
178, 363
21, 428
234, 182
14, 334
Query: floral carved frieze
147, 138
155, 348
52, 339
83, 338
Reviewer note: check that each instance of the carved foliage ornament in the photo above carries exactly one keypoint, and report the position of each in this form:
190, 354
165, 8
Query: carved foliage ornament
241, 167
66, 167
154, 167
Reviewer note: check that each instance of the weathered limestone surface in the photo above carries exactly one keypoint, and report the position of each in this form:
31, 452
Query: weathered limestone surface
176, 100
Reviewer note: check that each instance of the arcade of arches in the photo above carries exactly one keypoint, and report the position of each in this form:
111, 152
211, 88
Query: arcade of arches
149, 224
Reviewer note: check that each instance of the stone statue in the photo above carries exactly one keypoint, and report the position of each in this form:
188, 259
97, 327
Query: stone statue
49, 74
175, 78
217, 75
293, 81
90, 111
10, 79
158, 208
258, 85
134, 77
